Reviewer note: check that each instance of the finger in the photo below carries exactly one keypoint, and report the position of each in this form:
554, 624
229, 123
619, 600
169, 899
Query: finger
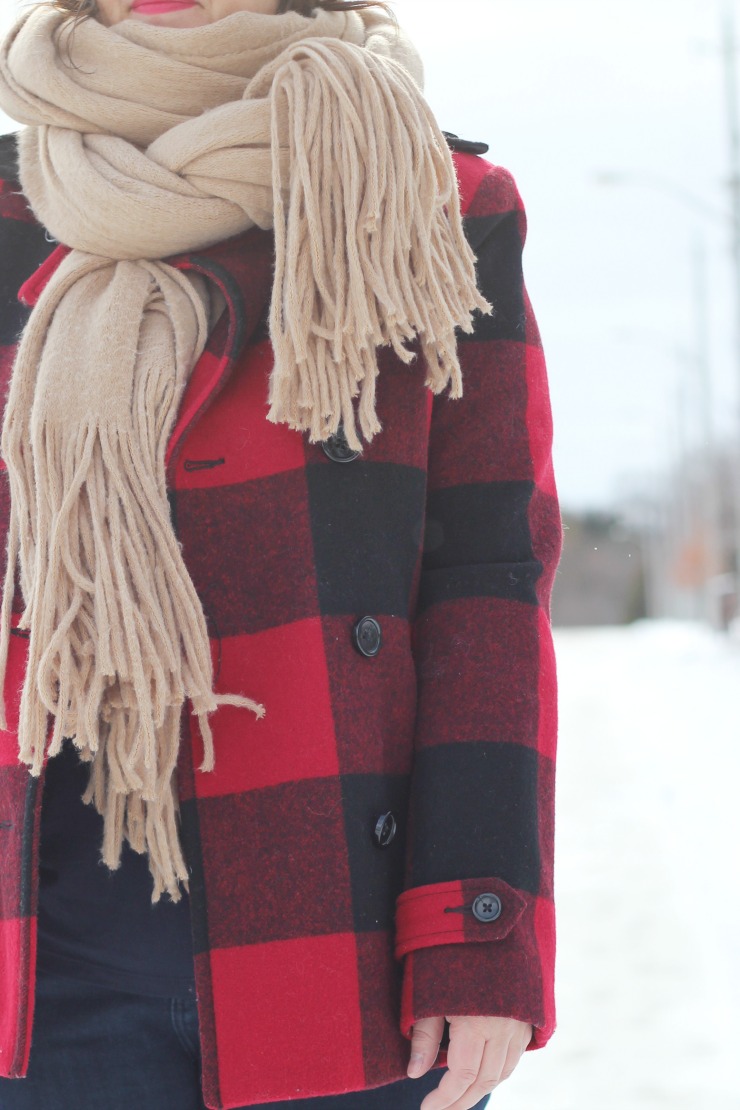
425, 1041
487, 1079
513, 1056
464, 1057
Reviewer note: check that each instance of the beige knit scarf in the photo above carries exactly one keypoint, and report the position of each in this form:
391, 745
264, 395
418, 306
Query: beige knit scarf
147, 142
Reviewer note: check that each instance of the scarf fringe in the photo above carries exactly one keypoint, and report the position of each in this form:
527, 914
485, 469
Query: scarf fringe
371, 175
118, 638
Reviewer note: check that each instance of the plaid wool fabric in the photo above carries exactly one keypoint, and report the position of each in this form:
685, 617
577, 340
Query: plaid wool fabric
406, 764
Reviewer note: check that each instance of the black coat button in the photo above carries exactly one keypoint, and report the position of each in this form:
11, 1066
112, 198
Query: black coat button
366, 636
385, 829
337, 449
487, 907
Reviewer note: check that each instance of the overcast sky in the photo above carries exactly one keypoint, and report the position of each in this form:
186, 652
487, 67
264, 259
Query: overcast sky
563, 90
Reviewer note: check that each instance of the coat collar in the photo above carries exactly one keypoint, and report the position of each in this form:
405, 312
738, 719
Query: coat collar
9, 158
242, 268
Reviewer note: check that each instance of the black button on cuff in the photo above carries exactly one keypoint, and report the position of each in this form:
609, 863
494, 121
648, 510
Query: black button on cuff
487, 907
385, 830
366, 636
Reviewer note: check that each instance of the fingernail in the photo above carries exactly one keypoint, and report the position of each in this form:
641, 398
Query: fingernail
416, 1065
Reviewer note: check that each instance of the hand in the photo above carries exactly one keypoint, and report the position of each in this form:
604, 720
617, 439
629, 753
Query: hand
483, 1051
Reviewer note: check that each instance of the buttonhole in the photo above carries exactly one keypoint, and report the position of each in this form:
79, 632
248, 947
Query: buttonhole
6, 824
457, 909
24, 633
203, 464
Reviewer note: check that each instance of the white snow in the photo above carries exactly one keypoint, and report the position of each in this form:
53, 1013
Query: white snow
647, 882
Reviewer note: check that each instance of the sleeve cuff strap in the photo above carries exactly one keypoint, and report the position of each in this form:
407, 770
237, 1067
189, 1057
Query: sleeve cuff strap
456, 913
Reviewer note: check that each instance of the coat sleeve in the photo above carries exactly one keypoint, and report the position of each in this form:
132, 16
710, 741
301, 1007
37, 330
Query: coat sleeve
475, 923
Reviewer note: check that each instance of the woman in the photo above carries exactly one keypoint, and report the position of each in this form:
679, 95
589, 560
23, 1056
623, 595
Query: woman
278, 611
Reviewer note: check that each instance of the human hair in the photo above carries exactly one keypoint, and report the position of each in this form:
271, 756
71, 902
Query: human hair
83, 9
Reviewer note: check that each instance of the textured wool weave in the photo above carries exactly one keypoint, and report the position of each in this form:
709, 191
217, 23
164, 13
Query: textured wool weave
155, 141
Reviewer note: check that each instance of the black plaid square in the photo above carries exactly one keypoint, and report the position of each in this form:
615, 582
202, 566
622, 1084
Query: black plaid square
249, 552
287, 874
475, 813
366, 522
377, 873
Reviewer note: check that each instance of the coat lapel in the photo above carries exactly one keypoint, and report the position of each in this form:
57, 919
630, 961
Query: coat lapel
241, 268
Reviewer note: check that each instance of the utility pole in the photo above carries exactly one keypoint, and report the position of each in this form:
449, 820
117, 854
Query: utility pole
729, 53
709, 504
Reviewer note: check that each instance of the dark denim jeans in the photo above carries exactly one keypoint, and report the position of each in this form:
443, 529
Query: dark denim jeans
98, 1049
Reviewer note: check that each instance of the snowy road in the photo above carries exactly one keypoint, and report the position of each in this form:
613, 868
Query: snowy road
647, 878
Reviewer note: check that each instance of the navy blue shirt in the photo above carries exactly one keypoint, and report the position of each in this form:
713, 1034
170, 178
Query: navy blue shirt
96, 924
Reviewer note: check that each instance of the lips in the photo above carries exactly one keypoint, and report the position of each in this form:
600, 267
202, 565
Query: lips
159, 7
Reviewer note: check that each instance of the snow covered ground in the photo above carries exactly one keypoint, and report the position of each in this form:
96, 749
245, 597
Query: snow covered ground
647, 878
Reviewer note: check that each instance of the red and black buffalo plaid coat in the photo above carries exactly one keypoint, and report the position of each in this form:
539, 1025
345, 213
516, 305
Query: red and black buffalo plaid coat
406, 763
